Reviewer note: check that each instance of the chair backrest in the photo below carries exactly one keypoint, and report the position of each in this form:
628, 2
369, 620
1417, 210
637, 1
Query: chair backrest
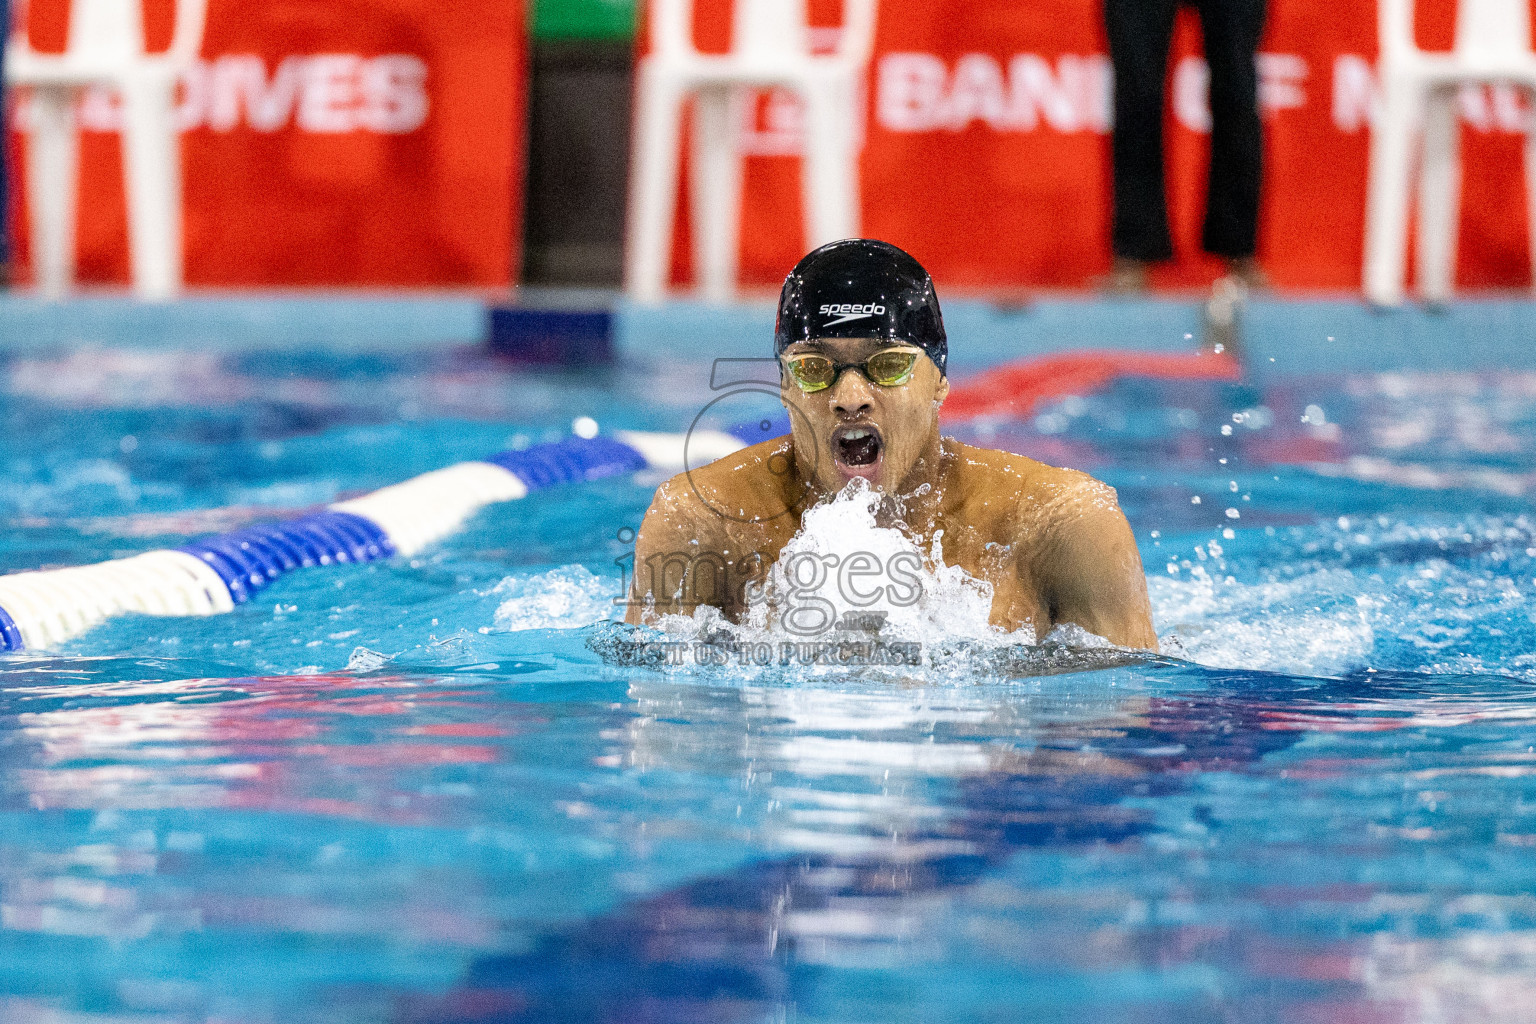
1493, 29
1394, 28
671, 26
768, 28
105, 31
187, 40
763, 28
109, 32
1487, 31
858, 39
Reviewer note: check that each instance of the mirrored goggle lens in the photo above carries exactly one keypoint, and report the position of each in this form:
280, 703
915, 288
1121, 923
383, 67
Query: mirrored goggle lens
812, 372
891, 367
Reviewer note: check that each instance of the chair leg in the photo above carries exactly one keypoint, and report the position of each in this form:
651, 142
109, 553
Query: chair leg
831, 174
1439, 197
53, 163
1386, 214
716, 191
152, 172
653, 185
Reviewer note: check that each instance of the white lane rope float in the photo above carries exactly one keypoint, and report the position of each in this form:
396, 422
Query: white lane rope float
44, 608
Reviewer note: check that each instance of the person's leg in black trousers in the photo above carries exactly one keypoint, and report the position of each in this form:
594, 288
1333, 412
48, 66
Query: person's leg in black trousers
1232, 29
1140, 32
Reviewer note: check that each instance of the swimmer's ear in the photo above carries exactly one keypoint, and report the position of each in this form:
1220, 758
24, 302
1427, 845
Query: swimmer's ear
943, 390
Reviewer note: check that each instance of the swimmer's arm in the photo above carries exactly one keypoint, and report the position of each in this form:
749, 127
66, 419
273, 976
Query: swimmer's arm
1091, 571
673, 567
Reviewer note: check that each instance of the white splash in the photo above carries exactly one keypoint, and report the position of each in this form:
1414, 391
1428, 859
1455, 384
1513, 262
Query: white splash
364, 659
1315, 624
1393, 607
569, 597
842, 562
843, 566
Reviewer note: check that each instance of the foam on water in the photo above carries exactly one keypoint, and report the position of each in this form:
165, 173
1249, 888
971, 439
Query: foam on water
569, 597
1437, 597
1310, 625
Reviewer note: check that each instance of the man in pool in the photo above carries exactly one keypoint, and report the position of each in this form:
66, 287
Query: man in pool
862, 355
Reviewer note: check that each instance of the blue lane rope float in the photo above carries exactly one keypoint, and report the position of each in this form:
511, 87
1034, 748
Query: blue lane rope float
570, 461
44, 608
10, 636
248, 560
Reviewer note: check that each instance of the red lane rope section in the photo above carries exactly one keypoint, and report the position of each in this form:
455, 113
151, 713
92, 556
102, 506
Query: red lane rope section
1015, 389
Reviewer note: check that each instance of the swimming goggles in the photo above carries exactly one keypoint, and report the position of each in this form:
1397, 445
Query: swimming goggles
889, 368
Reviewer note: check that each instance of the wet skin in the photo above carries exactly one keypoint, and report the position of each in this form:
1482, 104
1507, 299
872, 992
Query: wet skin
1053, 543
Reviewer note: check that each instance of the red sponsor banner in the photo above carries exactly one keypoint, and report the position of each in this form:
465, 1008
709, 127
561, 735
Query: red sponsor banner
987, 147
352, 142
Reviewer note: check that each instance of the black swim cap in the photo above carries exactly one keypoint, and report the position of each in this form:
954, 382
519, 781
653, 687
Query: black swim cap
861, 288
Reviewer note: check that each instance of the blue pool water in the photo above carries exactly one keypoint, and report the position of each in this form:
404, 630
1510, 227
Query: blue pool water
1318, 806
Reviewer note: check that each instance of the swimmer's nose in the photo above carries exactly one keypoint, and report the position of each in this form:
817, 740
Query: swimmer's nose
852, 410
851, 397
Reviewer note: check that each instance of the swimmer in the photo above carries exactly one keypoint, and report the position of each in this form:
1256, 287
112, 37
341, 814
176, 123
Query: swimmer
862, 356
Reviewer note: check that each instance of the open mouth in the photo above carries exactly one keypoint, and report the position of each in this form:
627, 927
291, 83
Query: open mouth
857, 448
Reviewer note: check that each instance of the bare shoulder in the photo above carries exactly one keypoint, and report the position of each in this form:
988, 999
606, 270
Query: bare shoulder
1079, 550
1043, 493
736, 488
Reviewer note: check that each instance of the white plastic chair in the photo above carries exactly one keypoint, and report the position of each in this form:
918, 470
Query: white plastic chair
1493, 45
770, 47
106, 47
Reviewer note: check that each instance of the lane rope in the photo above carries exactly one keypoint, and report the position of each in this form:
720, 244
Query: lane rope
43, 608
212, 575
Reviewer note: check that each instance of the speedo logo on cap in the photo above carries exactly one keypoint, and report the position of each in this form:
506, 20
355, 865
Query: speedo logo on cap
849, 311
